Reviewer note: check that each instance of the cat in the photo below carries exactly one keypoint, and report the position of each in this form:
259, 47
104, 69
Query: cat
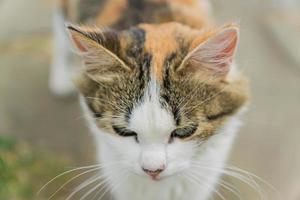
160, 92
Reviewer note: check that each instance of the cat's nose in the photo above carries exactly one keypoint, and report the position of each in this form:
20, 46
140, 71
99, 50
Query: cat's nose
154, 173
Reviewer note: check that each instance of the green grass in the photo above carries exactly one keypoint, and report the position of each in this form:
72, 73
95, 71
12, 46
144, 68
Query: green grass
24, 170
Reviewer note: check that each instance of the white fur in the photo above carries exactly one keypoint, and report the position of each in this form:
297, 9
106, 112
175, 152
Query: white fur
154, 125
60, 82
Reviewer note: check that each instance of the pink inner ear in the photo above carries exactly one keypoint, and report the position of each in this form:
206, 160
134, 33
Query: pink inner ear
228, 51
78, 42
216, 54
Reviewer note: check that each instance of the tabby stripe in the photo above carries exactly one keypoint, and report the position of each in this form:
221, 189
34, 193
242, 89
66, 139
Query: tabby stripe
93, 110
123, 132
218, 116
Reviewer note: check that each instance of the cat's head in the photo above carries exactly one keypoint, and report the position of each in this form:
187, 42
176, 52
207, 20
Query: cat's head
157, 92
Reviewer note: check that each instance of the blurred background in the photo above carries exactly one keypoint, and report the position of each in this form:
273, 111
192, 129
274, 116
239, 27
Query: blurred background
42, 135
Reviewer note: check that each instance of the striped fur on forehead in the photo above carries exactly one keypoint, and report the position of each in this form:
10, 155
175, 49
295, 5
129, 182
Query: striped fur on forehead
164, 40
154, 46
133, 41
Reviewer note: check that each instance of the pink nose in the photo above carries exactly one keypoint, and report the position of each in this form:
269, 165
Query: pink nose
154, 173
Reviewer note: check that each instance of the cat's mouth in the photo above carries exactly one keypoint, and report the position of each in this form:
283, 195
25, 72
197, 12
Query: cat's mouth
156, 178
159, 177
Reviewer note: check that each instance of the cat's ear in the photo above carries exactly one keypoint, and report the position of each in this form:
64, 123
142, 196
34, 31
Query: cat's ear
99, 50
214, 56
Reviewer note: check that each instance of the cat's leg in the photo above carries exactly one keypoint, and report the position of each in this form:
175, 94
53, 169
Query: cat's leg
60, 82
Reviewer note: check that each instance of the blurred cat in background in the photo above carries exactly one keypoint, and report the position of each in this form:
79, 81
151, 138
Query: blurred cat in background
160, 92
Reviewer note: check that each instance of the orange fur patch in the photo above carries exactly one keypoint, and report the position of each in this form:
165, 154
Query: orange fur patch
161, 41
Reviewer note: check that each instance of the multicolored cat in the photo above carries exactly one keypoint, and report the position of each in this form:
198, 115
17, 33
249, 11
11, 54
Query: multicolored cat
160, 91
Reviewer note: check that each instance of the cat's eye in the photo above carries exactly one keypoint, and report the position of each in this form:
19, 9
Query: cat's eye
182, 133
217, 116
125, 132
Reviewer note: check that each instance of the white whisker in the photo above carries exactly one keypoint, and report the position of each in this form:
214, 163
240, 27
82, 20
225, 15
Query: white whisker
221, 183
248, 180
203, 183
114, 187
85, 184
66, 183
105, 181
64, 173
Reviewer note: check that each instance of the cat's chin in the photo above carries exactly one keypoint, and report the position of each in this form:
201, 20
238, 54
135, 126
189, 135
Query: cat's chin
156, 178
153, 178
160, 178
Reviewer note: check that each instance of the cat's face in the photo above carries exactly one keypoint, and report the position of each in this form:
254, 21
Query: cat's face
158, 92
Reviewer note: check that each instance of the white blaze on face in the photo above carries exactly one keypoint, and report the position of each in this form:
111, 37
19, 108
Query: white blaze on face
153, 124
149, 119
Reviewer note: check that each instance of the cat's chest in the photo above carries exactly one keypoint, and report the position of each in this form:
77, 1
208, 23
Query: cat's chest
175, 189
